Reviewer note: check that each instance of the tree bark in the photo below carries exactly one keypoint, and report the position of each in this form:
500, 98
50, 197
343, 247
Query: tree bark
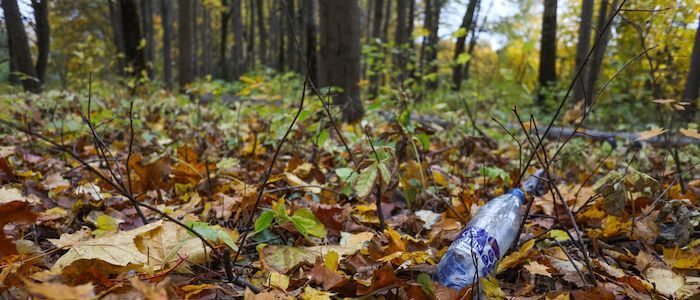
206, 42
548, 50
131, 30
167, 28
115, 20
262, 32
41, 17
223, 63
20, 51
184, 44
582, 49
147, 28
475, 35
290, 57
238, 46
310, 40
250, 51
433, 23
196, 66
591, 76
467, 23
376, 40
692, 83
340, 54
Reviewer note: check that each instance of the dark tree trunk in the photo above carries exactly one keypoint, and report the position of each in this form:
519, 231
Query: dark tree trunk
20, 52
277, 51
411, 16
206, 42
340, 54
167, 28
310, 42
387, 20
41, 17
433, 21
467, 23
250, 51
262, 32
196, 66
376, 40
131, 30
591, 76
548, 49
400, 38
115, 20
184, 43
147, 22
692, 83
223, 64
475, 35
238, 63
13, 78
290, 57
582, 49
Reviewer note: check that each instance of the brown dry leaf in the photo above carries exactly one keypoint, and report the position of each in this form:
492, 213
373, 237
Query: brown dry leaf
599, 293
665, 281
158, 239
294, 180
151, 175
682, 259
55, 183
8, 194
536, 268
272, 295
645, 135
692, 133
17, 212
609, 270
381, 278
150, 291
326, 277
57, 291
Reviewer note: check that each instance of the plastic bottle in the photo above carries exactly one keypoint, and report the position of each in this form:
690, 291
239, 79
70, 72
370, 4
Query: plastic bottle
485, 239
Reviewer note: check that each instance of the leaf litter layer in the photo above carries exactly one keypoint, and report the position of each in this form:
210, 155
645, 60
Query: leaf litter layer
370, 220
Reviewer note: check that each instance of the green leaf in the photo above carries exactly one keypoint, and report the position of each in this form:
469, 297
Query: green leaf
365, 182
213, 233
427, 283
307, 224
461, 32
322, 137
385, 172
264, 221
463, 58
344, 173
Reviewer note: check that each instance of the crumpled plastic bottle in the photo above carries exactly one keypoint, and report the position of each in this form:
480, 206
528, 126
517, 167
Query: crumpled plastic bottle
485, 239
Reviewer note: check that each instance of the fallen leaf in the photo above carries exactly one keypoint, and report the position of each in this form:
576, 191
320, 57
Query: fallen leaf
17, 212
516, 257
692, 133
645, 135
536, 268
150, 291
57, 291
665, 281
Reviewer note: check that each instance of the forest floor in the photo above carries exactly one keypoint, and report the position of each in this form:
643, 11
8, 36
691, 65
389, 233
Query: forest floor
223, 197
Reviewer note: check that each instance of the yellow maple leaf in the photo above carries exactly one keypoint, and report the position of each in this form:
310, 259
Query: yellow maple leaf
693, 133
515, 257
645, 135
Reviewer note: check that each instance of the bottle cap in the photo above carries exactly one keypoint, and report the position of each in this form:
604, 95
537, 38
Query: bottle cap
517, 192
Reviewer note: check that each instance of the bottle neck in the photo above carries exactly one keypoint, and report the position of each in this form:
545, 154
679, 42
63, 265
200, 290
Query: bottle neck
518, 193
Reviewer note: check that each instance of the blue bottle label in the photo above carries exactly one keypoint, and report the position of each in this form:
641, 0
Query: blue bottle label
483, 245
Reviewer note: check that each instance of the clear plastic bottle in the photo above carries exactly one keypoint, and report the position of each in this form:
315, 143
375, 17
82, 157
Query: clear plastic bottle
483, 242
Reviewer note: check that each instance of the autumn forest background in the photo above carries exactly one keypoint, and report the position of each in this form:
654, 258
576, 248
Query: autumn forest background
322, 149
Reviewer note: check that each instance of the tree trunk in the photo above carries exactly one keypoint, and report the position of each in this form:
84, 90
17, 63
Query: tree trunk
206, 42
238, 63
692, 83
13, 78
250, 51
377, 12
340, 54
223, 64
310, 42
184, 43
598, 54
376, 40
548, 50
20, 51
475, 35
131, 30
41, 17
196, 66
467, 23
277, 51
582, 49
147, 22
400, 37
386, 21
115, 20
167, 28
262, 32
290, 57
433, 21
411, 16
